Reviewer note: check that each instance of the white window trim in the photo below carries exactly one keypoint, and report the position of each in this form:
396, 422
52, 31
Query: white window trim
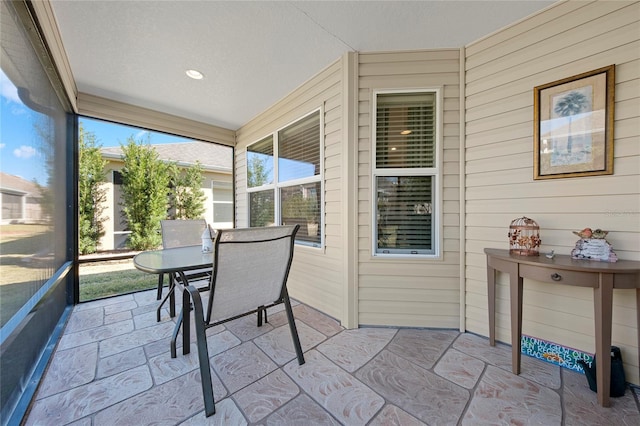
436, 172
276, 186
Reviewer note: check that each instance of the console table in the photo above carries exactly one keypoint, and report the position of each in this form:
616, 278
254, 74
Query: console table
603, 277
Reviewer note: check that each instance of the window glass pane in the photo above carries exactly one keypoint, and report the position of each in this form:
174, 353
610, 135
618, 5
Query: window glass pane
260, 163
222, 212
300, 205
299, 149
222, 191
222, 202
33, 175
261, 208
405, 130
405, 210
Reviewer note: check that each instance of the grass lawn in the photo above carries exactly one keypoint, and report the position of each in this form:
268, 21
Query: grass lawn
112, 282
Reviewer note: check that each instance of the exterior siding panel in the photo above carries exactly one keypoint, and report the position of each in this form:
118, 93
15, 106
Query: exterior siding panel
316, 274
501, 71
401, 291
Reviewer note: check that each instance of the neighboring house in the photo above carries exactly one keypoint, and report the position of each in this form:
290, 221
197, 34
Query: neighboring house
21, 200
216, 161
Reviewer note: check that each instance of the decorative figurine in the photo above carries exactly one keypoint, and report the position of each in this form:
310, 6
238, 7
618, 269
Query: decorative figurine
550, 255
592, 245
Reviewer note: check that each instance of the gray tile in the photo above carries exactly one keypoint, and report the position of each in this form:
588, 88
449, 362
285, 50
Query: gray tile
265, 396
534, 369
278, 343
460, 368
351, 349
301, 411
168, 403
120, 307
106, 372
394, 416
337, 391
72, 340
246, 328
117, 317
69, 369
422, 346
582, 409
227, 414
93, 397
85, 319
242, 365
321, 322
120, 362
124, 342
409, 386
504, 398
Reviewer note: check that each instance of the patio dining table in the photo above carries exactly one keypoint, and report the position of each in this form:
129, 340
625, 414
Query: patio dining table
175, 261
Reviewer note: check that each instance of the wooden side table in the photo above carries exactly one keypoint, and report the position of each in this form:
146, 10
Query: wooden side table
603, 277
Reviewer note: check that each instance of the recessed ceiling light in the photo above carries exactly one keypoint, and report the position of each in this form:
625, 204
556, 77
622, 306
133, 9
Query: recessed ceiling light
195, 74
393, 148
406, 132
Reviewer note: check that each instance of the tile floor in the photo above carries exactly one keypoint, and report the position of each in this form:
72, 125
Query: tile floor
113, 367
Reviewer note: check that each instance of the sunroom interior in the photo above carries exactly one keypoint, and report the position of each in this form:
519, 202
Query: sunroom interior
357, 267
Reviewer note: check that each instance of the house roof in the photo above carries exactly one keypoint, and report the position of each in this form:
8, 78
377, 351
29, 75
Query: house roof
212, 157
17, 185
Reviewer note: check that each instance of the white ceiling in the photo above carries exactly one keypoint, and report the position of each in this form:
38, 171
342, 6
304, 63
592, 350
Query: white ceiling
252, 53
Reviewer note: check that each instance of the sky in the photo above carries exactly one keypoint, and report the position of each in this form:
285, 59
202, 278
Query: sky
21, 150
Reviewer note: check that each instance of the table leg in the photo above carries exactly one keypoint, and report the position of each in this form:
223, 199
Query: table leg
172, 295
603, 305
515, 282
491, 289
186, 317
638, 320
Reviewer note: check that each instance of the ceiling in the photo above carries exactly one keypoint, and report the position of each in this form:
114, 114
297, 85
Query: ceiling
252, 53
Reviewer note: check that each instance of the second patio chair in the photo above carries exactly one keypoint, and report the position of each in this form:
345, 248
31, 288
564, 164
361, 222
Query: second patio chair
250, 272
181, 233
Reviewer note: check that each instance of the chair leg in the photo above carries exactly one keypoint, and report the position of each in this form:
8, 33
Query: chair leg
170, 295
160, 285
294, 330
203, 353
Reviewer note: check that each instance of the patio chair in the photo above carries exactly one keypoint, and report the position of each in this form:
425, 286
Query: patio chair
250, 272
181, 233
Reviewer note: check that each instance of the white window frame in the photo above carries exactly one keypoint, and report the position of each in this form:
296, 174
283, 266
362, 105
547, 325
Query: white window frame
214, 184
276, 186
435, 172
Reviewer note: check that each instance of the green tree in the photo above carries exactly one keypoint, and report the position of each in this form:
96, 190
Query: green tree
92, 193
187, 197
145, 181
258, 172
571, 104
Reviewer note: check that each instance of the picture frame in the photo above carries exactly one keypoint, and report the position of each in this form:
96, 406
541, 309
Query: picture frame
573, 125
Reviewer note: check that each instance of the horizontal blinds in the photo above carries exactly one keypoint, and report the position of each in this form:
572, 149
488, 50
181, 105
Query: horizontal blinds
260, 163
405, 130
299, 149
405, 211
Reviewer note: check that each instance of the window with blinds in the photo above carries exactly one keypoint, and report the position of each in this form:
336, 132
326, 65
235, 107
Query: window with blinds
299, 149
292, 193
405, 173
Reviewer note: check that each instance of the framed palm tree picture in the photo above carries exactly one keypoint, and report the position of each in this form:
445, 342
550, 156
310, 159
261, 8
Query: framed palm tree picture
573, 125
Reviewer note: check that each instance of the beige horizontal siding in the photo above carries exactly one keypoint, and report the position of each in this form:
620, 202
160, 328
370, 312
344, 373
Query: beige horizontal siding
501, 72
400, 291
316, 276
107, 109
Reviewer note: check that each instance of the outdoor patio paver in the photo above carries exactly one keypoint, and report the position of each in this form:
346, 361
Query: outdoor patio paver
108, 372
